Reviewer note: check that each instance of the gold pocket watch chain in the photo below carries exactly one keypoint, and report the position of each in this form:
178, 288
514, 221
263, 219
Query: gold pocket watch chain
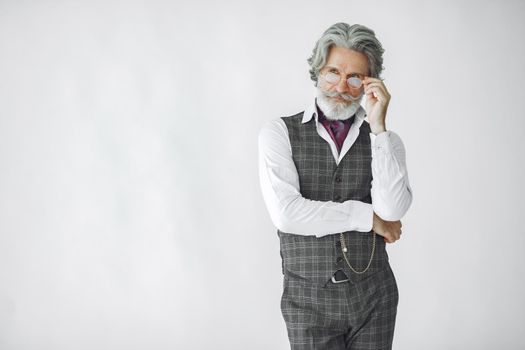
345, 250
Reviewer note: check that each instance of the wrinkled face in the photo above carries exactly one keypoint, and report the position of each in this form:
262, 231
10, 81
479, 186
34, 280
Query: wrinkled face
339, 86
344, 64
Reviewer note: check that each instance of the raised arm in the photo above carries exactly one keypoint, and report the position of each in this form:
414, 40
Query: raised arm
391, 192
289, 211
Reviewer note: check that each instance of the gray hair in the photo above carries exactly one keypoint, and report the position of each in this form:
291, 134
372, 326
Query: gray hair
356, 37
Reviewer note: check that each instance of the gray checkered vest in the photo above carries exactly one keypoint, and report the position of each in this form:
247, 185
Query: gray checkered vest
312, 259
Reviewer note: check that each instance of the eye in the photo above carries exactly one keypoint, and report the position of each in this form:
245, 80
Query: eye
354, 82
331, 77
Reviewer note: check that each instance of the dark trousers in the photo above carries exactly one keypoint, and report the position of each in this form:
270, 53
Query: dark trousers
341, 316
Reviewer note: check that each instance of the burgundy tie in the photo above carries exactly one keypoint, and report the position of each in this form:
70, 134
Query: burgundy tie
337, 127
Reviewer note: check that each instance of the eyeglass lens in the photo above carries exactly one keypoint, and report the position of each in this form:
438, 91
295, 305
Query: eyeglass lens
353, 82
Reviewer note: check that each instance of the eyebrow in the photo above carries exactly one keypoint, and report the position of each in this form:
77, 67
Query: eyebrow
363, 74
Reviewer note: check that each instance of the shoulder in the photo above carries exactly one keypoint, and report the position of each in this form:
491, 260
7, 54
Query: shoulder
275, 125
293, 122
279, 125
297, 116
273, 132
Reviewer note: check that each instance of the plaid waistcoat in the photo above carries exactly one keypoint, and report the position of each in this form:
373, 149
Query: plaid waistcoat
312, 259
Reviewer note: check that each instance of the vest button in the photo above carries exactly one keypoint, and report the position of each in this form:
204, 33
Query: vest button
339, 260
337, 197
338, 178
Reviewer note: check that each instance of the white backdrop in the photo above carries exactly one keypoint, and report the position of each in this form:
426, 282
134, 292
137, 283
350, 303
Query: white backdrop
130, 210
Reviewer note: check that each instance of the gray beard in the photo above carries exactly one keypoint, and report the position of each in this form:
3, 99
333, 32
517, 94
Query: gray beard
336, 110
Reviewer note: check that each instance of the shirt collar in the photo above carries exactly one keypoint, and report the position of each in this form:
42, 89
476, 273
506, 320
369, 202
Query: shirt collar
311, 111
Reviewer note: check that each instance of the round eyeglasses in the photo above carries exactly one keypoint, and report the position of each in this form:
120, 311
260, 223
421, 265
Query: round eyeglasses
334, 78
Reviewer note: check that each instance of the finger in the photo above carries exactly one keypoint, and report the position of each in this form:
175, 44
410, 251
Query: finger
379, 86
373, 89
372, 83
395, 236
367, 80
377, 93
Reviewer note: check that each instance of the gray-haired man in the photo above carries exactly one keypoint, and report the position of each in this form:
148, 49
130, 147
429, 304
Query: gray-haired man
336, 186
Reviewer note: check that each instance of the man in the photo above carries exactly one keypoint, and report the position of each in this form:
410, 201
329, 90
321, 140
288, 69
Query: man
336, 186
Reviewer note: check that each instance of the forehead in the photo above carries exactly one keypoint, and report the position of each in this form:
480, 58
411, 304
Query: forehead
347, 60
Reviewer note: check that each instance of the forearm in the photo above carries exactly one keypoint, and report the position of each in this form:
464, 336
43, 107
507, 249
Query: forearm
306, 217
289, 210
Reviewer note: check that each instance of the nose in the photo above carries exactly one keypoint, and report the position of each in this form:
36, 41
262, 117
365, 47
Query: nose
342, 86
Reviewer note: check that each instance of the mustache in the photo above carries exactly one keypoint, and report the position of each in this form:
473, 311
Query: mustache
346, 97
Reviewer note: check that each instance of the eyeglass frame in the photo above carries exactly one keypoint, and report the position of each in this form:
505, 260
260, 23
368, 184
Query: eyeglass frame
331, 70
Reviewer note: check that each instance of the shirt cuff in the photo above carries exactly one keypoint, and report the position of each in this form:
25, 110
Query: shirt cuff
381, 143
362, 216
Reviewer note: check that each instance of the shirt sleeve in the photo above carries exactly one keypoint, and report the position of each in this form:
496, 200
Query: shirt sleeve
289, 211
391, 192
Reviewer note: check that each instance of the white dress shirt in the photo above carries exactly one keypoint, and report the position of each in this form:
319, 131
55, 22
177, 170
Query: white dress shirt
291, 212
